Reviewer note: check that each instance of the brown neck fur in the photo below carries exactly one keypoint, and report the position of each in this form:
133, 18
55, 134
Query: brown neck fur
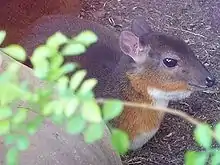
133, 120
133, 87
141, 82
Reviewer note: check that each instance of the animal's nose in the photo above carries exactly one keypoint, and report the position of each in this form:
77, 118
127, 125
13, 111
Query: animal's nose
210, 81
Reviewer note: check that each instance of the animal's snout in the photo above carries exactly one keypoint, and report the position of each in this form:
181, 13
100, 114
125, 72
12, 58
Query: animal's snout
210, 81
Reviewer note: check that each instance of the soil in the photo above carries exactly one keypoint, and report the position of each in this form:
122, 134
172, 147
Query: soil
198, 23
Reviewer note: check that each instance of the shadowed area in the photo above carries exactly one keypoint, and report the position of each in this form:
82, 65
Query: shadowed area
16, 14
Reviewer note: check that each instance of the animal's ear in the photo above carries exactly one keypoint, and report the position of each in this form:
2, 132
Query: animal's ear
129, 44
140, 26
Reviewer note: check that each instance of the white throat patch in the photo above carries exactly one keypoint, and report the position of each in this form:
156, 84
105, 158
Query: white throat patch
162, 98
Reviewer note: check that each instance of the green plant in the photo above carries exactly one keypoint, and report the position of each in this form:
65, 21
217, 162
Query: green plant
67, 101
204, 135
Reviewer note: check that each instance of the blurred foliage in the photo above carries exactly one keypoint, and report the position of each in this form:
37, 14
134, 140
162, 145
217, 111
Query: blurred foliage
74, 107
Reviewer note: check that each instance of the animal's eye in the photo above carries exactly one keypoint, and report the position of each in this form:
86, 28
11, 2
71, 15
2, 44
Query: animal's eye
169, 62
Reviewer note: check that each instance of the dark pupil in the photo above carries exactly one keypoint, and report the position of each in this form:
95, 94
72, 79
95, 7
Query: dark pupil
169, 62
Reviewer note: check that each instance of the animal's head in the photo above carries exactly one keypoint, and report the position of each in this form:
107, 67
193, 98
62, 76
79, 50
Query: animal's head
165, 66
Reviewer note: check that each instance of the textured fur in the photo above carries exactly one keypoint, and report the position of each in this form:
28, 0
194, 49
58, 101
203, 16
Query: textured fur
141, 139
160, 98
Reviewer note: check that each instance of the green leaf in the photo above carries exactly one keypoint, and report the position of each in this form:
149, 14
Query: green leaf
2, 36
34, 97
42, 71
15, 51
58, 110
203, 135
4, 77
41, 52
40, 61
5, 112
68, 67
58, 119
22, 142
9, 92
12, 70
10, 75
59, 72
56, 61
62, 84
71, 107
50, 107
77, 78
93, 132
24, 85
13, 67
75, 124
44, 96
86, 37
217, 132
54, 75
87, 86
91, 111
89, 95
73, 49
65, 69
34, 125
215, 160
10, 139
12, 156
196, 158
4, 127
56, 40
120, 141
111, 109
20, 116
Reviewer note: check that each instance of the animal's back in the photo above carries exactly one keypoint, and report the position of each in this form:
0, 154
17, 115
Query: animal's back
100, 59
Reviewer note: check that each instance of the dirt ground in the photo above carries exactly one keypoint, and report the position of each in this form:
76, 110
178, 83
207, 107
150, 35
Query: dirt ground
198, 23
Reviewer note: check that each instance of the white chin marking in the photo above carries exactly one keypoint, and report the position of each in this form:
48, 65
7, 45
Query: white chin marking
163, 96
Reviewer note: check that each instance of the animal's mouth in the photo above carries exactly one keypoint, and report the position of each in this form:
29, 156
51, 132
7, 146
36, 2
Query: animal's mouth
201, 88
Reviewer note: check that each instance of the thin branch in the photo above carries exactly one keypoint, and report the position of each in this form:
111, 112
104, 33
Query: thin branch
175, 112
